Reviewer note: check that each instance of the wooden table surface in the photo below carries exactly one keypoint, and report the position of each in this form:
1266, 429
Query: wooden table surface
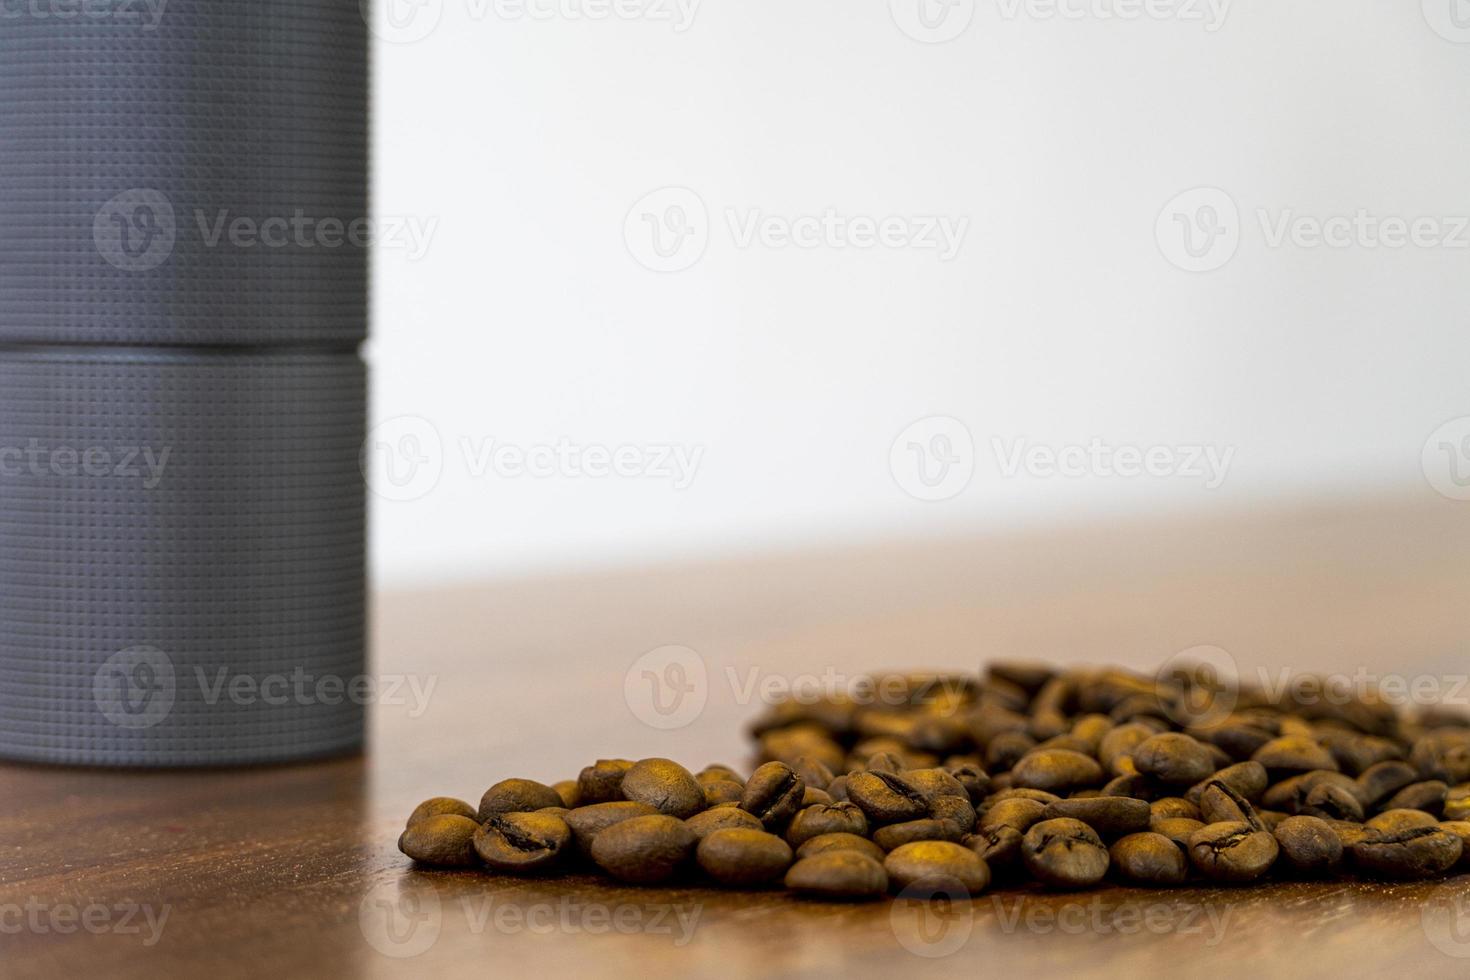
293, 870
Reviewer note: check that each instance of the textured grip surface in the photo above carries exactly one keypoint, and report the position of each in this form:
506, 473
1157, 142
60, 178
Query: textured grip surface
181, 556
191, 172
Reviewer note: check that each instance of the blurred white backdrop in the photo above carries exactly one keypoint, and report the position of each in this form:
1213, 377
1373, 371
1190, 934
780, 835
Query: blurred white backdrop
1121, 255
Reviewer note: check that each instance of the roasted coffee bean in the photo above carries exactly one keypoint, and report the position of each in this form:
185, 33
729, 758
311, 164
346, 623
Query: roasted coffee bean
1015, 812
1172, 807
571, 796
1443, 756
1247, 779
1394, 821
666, 786
443, 840
886, 797
1410, 854
1234, 852
999, 847
934, 783
517, 843
1065, 854
1240, 741
718, 773
954, 810
895, 835
1110, 816
1136, 785
1091, 729
1174, 758
1149, 859
1006, 749
644, 850
1120, 743
1270, 819
1332, 802
837, 789
1221, 804
440, 806
814, 775
1377, 783
839, 874
722, 818
834, 818
1068, 741
885, 762
1309, 846
974, 779
1457, 803
718, 791
1357, 753
1460, 829
743, 857
587, 822
774, 794
936, 867
815, 797
1057, 770
1427, 796
516, 796
603, 782
1019, 793
1031, 676
1177, 829
840, 842
1294, 753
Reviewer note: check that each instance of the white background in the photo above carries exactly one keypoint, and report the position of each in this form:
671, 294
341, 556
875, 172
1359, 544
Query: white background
524, 142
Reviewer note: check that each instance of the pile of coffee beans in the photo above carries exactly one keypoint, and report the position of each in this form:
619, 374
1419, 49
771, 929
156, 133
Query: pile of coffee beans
1027, 774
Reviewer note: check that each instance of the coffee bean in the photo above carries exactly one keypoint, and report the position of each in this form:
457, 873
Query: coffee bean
516, 796
1149, 859
1332, 802
721, 791
1460, 829
443, 840
1172, 807
1240, 741
815, 797
603, 782
1442, 756
886, 797
840, 842
813, 773
1427, 796
1309, 846
838, 874
664, 785
1065, 854
975, 780
743, 857
721, 818
1457, 803
895, 835
926, 868
1014, 812
1006, 749
1029, 675
440, 806
517, 843
774, 794
644, 850
718, 773
1120, 744
571, 795
1174, 758
885, 762
1057, 770
934, 783
1019, 793
586, 822
1247, 779
1177, 829
1234, 852
1110, 816
1294, 753
1377, 783
834, 818
1221, 804
955, 810
999, 847
1409, 854
1393, 821
1347, 833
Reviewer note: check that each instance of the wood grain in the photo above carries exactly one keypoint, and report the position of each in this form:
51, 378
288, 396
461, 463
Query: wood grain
293, 870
